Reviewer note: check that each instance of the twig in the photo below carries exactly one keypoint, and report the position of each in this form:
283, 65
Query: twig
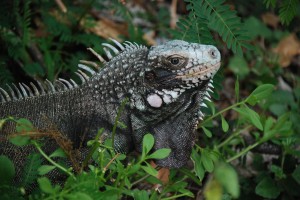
109, 163
61, 5
173, 14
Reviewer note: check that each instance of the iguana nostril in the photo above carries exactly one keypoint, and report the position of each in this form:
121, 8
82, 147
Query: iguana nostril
213, 53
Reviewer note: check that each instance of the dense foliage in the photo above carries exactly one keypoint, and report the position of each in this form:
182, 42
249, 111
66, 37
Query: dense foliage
248, 143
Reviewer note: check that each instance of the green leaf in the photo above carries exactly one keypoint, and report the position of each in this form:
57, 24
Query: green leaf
30, 172
288, 11
44, 169
228, 178
58, 153
7, 170
186, 192
207, 161
150, 170
160, 154
251, 115
213, 190
140, 194
199, 169
20, 140
261, 92
267, 188
80, 195
148, 142
296, 174
278, 171
225, 125
268, 124
45, 185
2, 122
207, 132
239, 66
24, 125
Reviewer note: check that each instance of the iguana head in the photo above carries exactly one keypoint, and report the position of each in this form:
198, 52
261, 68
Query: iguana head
178, 66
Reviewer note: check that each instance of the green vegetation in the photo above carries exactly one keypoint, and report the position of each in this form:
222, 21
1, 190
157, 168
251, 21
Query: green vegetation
248, 143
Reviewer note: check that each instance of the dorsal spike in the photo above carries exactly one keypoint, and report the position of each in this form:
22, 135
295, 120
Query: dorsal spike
114, 49
30, 93
20, 96
85, 62
210, 85
86, 77
80, 76
50, 86
41, 87
127, 46
108, 54
6, 95
130, 44
36, 91
23, 91
118, 44
70, 86
73, 82
97, 55
86, 68
2, 99
62, 84
209, 90
13, 95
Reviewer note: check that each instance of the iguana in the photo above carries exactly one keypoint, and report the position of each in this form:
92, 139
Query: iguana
165, 85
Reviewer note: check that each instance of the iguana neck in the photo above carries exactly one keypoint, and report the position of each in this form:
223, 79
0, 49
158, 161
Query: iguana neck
120, 77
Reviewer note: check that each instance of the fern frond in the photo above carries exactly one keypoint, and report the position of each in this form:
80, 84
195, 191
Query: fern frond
224, 21
30, 173
288, 10
23, 20
193, 28
270, 3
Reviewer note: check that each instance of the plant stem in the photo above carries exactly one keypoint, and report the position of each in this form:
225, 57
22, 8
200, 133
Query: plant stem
232, 136
220, 112
93, 149
116, 120
243, 152
52, 161
176, 196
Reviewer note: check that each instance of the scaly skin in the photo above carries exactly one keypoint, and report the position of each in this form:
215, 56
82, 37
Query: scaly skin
165, 85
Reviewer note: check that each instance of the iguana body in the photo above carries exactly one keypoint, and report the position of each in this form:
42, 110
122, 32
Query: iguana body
165, 85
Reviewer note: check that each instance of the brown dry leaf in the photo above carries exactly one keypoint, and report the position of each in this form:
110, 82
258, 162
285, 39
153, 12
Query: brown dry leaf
149, 37
270, 19
163, 173
287, 48
109, 29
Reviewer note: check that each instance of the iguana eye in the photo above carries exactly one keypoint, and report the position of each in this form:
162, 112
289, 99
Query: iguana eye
174, 61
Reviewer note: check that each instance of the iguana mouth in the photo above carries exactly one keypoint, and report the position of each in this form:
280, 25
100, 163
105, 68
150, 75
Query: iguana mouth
203, 72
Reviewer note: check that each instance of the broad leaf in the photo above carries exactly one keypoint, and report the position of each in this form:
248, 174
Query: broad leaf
7, 170
44, 169
228, 178
160, 154
261, 92
148, 142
